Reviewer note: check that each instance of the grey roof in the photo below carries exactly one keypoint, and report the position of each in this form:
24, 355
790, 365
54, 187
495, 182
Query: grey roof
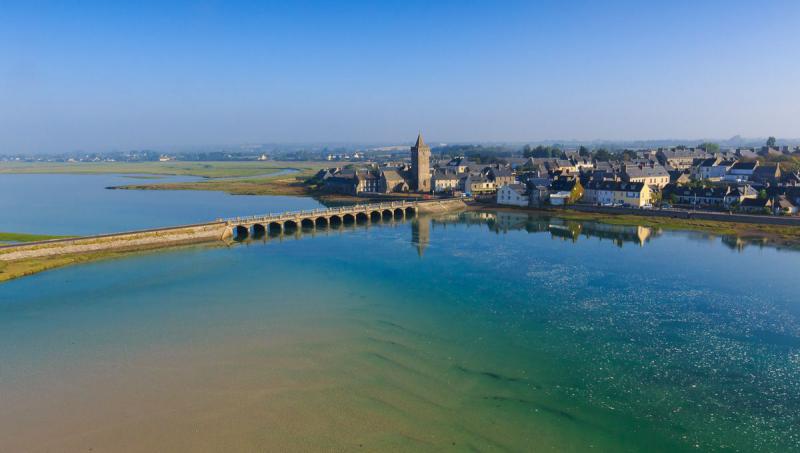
676, 153
445, 176
744, 166
646, 172
616, 186
478, 178
700, 192
563, 184
784, 202
519, 188
766, 171
754, 202
500, 172
391, 174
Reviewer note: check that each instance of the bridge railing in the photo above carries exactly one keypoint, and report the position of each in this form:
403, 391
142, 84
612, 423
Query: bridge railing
320, 211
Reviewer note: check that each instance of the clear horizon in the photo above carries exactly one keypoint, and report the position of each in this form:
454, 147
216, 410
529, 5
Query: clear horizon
99, 77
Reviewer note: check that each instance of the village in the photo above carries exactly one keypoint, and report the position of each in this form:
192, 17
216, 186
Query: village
745, 180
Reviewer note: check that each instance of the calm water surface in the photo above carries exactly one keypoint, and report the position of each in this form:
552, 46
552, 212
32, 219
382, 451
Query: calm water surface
487, 332
80, 204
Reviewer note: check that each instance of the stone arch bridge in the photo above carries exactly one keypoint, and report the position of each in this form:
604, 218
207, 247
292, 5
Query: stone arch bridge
243, 227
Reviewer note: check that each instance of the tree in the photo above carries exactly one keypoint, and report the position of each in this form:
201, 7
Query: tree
656, 197
602, 155
709, 147
583, 151
762, 194
771, 142
527, 151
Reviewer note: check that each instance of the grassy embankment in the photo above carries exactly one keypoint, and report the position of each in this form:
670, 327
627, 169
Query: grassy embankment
10, 270
20, 268
25, 237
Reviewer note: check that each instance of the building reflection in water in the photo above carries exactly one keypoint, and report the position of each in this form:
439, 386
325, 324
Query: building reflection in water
421, 233
558, 228
570, 230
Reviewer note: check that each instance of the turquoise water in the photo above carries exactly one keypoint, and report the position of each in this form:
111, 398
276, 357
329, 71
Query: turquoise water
80, 204
487, 332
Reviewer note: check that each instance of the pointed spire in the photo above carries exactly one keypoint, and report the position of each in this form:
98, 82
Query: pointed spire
420, 141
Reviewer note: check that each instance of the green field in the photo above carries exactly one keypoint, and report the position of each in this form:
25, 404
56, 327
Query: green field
24, 237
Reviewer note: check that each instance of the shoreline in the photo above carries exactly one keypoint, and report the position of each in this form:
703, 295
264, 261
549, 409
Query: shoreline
12, 270
782, 235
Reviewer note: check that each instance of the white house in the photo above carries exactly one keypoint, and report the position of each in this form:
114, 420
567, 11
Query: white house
741, 171
512, 194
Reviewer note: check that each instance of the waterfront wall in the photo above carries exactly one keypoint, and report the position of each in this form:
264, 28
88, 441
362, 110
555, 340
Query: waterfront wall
432, 207
136, 240
698, 215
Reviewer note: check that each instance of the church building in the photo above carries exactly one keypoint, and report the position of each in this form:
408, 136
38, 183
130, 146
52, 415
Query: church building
421, 166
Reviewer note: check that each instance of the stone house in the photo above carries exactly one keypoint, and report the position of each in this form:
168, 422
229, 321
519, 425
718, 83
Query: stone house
681, 158
634, 194
513, 194
477, 184
655, 175
501, 175
393, 180
444, 182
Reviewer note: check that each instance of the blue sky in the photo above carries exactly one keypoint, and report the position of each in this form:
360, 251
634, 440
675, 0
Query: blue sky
102, 75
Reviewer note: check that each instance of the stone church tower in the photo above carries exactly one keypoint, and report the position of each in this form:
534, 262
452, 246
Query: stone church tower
421, 166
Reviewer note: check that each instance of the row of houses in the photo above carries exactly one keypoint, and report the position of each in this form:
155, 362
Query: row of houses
567, 190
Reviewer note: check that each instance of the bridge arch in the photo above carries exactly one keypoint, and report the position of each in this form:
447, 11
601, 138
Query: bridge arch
348, 218
399, 212
274, 228
307, 223
411, 211
335, 221
289, 225
362, 217
321, 222
239, 233
375, 216
387, 213
258, 230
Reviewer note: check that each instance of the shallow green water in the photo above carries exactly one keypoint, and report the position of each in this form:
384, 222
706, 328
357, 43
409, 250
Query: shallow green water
474, 332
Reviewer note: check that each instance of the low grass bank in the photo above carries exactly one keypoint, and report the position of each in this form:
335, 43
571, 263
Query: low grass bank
10, 270
25, 237
289, 185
